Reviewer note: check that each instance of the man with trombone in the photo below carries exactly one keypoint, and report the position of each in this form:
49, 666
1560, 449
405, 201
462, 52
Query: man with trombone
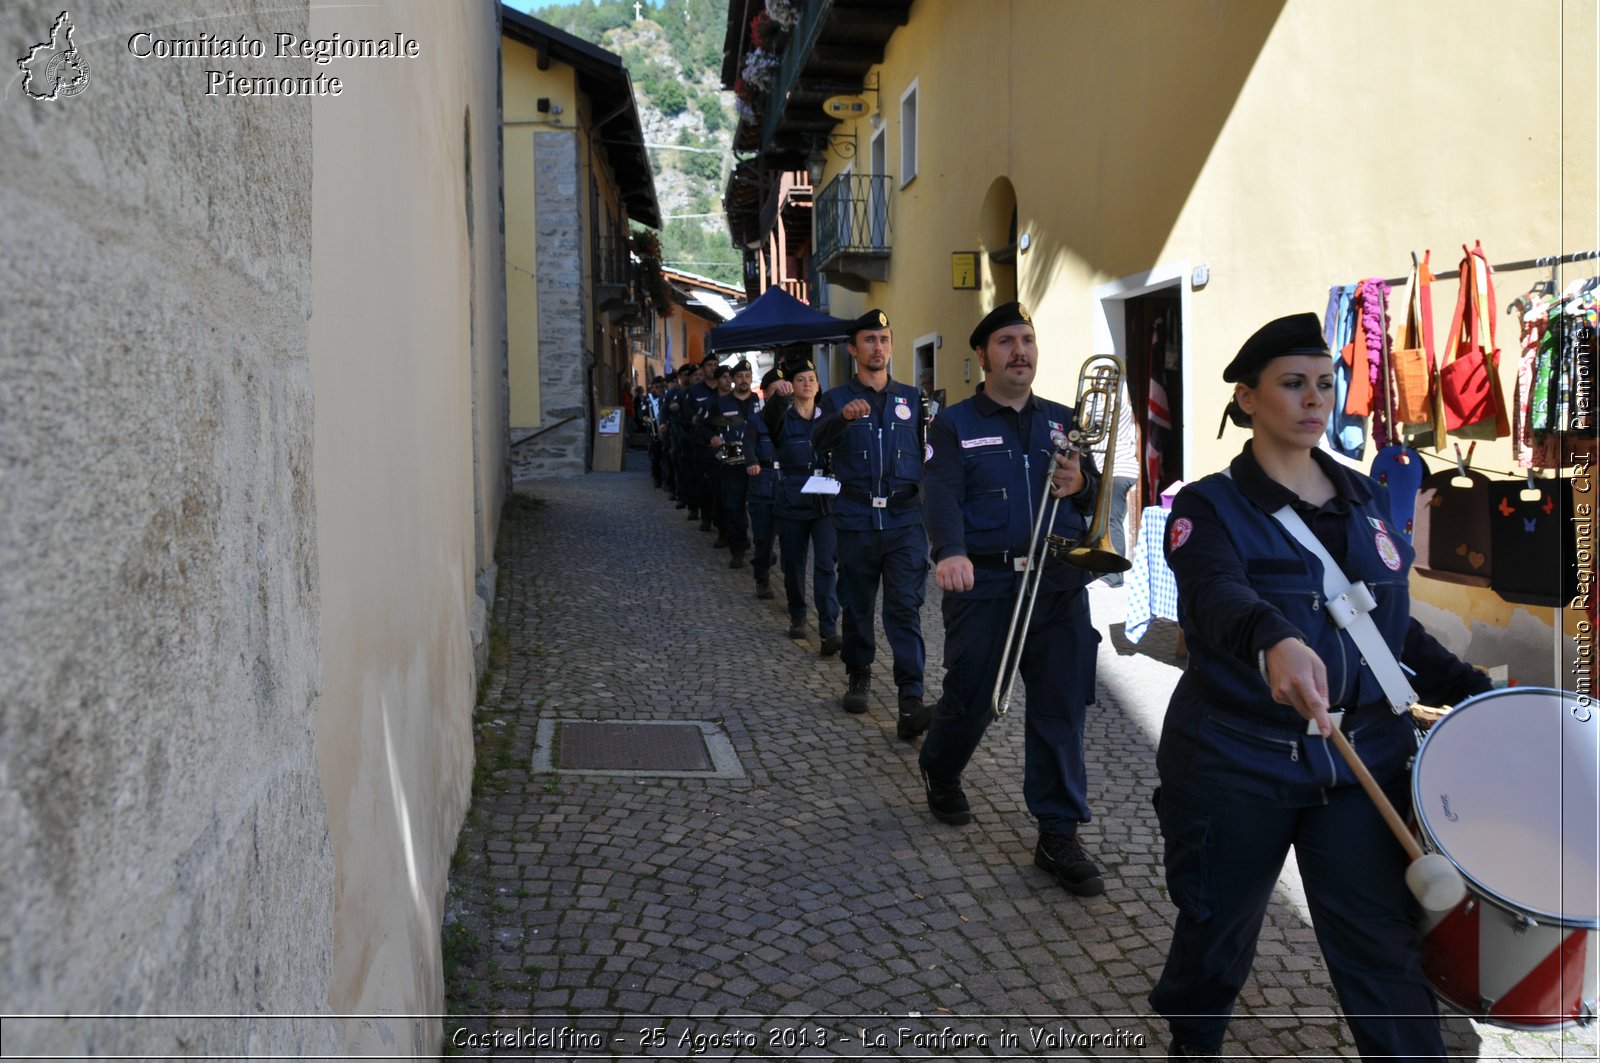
1000, 466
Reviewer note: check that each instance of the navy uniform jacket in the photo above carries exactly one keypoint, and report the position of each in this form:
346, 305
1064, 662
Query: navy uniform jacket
797, 462
877, 456
985, 476
1244, 584
759, 449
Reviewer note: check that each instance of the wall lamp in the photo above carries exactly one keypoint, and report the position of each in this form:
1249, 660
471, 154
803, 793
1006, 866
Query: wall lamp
844, 144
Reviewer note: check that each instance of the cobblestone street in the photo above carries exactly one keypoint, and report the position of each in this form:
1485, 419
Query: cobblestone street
807, 906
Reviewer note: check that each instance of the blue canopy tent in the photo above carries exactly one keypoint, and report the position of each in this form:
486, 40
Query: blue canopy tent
775, 319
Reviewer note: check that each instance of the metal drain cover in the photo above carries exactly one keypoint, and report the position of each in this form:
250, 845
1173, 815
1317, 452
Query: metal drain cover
589, 746
690, 749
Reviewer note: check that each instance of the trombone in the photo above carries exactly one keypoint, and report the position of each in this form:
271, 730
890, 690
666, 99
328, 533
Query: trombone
1093, 432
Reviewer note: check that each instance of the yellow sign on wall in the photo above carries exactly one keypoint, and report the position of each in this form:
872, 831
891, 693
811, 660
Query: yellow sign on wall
963, 269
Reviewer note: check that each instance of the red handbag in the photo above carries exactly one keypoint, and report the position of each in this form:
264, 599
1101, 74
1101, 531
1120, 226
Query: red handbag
1469, 380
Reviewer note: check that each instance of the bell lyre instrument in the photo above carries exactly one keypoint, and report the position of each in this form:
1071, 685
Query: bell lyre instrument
1094, 432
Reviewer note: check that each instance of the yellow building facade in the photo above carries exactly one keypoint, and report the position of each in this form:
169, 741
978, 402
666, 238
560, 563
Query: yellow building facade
576, 173
1190, 171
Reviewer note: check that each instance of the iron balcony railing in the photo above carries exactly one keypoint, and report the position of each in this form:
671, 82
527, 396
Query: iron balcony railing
852, 217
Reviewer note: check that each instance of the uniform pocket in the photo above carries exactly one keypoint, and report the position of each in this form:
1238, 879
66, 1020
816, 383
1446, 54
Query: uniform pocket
986, 510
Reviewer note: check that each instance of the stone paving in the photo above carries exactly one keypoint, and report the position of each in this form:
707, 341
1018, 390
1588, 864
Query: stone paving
812, 908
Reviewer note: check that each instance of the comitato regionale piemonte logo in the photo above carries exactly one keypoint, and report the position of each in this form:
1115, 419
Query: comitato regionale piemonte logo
55, 68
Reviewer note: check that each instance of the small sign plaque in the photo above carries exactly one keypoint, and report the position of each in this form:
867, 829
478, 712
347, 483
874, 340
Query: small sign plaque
963, 269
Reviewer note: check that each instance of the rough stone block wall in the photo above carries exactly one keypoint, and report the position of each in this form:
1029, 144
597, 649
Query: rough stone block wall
563, 322
163, 835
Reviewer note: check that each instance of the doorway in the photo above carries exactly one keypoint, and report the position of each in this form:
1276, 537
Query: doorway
1153, 351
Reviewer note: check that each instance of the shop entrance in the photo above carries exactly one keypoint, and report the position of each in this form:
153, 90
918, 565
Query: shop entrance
1152, 347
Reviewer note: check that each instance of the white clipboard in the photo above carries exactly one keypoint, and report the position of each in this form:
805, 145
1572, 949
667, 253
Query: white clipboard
820, 485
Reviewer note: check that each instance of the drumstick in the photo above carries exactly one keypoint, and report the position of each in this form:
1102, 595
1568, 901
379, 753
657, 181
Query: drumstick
1432, 879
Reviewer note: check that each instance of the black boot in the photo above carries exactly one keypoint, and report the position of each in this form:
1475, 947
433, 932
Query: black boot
946, 800
914, 716
855, 695
1062, 855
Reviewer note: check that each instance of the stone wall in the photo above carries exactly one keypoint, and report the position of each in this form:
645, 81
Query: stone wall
163, 833
252, 455
561, 450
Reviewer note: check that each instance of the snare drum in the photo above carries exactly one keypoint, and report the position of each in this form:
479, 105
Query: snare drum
1505, 787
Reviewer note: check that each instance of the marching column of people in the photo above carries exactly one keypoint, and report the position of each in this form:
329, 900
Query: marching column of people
1243, 778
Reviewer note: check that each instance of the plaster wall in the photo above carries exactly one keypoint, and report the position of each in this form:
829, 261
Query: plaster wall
405, 264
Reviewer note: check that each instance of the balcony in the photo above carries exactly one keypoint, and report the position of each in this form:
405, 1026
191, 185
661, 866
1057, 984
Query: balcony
852, 220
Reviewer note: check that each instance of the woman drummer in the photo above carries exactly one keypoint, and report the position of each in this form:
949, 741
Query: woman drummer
1246, 771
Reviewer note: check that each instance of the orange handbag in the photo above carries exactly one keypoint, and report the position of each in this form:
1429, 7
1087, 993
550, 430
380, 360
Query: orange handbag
1412, 359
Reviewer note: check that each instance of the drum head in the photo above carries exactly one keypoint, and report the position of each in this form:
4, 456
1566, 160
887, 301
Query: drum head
1505, 787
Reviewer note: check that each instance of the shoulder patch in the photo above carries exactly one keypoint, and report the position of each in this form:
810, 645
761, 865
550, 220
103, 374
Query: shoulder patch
1178, 533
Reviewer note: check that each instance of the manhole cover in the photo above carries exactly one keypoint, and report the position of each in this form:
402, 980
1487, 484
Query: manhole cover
588, 746
688, 749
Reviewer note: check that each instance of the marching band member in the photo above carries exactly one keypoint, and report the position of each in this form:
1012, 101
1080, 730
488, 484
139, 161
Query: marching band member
988, 459
1242, 778
871, 427
804, 525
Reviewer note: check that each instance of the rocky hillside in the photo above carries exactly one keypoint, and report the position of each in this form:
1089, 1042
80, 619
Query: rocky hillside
673, 53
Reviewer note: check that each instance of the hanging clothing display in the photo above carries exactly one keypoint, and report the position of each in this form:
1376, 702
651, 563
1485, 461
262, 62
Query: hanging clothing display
1347, 434
1554, 397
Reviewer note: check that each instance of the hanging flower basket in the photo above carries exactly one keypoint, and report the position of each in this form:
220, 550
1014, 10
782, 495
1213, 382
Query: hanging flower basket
765, 32
759, 67
784, 12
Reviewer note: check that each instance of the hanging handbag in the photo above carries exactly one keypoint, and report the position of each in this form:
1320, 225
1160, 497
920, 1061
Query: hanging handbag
1531, 527
1469, 382
1459, 547
1412, 358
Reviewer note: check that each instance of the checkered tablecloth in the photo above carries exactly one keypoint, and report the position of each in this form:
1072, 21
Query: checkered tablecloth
1152, 591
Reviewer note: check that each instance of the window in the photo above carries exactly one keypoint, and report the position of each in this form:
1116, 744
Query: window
908, 135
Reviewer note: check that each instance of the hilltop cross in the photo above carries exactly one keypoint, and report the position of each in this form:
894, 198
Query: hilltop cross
637, 7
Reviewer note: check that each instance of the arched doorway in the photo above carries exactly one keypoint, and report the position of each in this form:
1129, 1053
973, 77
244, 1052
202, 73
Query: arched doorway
997, 236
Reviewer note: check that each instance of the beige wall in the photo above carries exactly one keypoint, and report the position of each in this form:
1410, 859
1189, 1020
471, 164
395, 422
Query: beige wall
404, 307
1286, 146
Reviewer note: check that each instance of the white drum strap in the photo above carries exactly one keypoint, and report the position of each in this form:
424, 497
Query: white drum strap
1349, 605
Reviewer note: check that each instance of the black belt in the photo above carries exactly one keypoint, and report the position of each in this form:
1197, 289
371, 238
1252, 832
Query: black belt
861, 494
998, 562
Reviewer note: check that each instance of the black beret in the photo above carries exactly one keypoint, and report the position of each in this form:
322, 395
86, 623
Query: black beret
742, 366
872, 319
1295, 334
685, 369
1002, 316
720, 371
658, 380
710, 359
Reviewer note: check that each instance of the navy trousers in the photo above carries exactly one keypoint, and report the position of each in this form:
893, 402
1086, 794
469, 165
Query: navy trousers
733, 518
898, 558
1224, 852
1057, 671
797, 535
763, 531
